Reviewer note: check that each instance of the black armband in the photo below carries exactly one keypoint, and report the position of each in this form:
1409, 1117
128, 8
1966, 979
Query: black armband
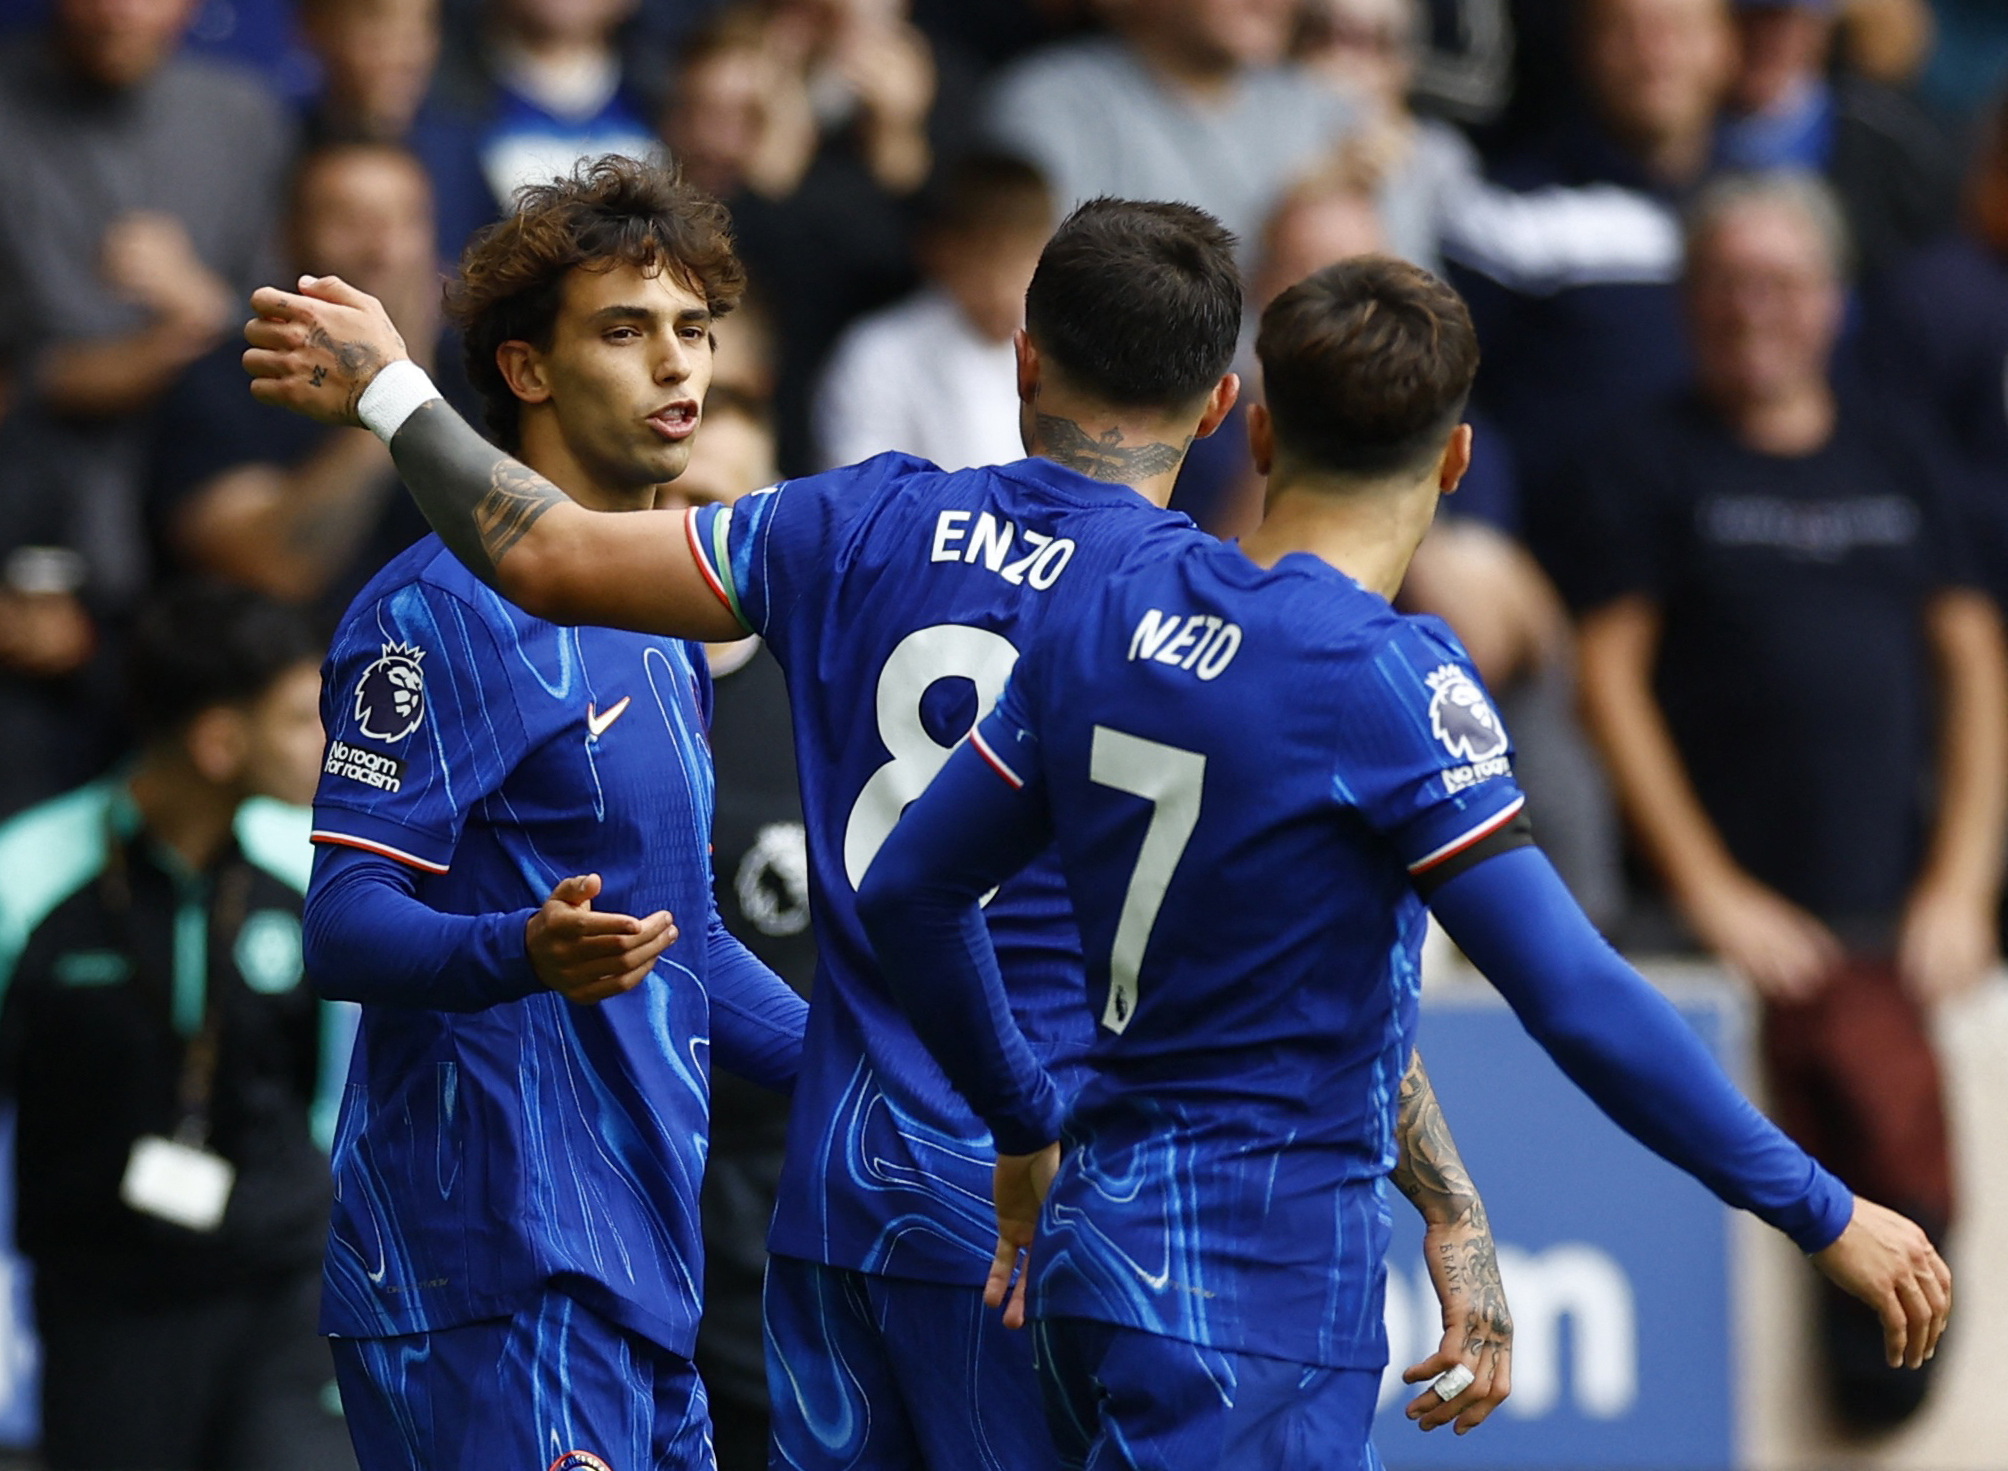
1519, 833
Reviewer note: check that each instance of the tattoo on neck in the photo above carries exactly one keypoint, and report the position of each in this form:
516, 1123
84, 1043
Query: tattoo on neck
516, 497
1104, 456
356, 361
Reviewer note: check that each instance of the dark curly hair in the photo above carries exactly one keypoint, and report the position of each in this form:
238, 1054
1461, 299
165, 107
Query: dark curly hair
612, 211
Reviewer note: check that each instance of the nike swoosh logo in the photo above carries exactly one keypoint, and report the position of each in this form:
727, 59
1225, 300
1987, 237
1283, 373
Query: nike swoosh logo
596, 723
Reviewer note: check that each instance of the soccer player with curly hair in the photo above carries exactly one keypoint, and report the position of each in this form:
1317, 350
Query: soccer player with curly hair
514, 1271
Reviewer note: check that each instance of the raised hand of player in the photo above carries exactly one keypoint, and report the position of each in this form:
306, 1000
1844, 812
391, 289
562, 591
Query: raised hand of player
1477, 1325
587, 956
1022, 1181
314, 351
1888, 1262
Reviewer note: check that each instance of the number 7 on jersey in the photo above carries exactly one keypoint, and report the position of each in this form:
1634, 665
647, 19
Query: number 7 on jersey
1169, 779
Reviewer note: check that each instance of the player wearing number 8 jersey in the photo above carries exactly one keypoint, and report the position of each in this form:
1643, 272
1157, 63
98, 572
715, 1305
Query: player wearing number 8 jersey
1250, 834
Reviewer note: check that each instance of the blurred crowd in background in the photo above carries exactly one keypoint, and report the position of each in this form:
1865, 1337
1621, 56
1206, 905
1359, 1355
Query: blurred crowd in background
1729, 554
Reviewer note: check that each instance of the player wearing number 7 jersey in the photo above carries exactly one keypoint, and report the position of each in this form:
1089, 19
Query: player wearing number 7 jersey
896, 598
1259, 774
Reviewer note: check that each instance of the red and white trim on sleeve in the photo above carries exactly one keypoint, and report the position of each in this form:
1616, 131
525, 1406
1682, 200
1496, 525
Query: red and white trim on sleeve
382, 850
1470, 839
996, 762
704, 563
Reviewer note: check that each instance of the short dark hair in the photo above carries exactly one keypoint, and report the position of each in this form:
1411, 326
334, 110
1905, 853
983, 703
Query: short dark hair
986, 194
197, 645
1138, 304
612, 211
1366, 366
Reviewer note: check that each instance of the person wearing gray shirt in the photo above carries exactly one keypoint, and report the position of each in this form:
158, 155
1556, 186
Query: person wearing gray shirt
1186, 100
141, 189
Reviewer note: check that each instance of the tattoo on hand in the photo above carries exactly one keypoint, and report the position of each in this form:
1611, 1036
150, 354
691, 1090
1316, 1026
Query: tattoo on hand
1104, 456
318, 376
1431, 1173
356, 361
516, 497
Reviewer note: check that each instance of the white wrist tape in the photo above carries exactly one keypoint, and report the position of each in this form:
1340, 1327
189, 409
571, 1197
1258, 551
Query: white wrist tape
393, 396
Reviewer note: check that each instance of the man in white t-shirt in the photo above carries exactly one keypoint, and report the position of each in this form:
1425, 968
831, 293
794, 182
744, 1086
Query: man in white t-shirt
935, 375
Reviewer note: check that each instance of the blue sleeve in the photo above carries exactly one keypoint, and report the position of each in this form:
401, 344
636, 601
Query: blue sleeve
757, 1020
1426, 760
1624, 1045
422, 722
368, 938
764, 553
978, 823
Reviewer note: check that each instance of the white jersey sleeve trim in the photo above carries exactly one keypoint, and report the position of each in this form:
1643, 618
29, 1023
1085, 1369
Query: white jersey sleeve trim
383, 850
1477, 834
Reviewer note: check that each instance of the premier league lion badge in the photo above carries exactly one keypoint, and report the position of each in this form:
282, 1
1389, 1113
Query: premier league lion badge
1461, 718
390, 697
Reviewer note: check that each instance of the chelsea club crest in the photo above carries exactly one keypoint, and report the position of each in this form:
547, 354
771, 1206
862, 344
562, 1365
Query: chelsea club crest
390, 697
1461, 717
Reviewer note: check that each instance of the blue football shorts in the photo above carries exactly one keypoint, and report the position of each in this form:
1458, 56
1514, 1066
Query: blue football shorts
556, 1386
871, 1373
1120, 1399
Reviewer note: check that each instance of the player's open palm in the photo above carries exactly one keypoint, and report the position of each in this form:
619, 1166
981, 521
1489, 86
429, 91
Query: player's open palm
315, 350
1477, 1328
1022, 1181
587, 956
1888, 1262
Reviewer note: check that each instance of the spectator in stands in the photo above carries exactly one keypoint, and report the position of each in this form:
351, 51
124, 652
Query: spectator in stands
1804, 707
1893, 169
141, 189
817, 121
268, 500
175, 1081
1938, 338
936, 375
1185, 99
761, 873
542, 85
1419, 168
377, 60
1574, 293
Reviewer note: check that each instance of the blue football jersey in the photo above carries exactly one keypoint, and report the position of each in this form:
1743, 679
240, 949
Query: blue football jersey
1248, 772
896, 597
483, 1156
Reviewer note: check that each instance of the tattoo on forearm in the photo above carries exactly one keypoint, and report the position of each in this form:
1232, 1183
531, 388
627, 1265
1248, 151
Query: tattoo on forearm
1428, 1169
356, 361
1431, 1173
479, 500
1104, 456
517, 496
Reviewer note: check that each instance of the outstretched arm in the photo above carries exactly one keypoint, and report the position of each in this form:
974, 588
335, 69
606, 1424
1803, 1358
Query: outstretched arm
1463, 1262
1626, 1047
318, 351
